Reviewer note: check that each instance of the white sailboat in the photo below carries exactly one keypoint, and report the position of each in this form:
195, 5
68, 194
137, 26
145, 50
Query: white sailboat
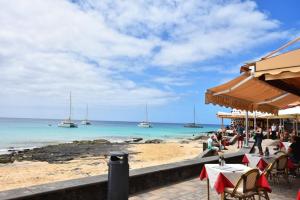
68, 123
86, 121
145, 124
193, 125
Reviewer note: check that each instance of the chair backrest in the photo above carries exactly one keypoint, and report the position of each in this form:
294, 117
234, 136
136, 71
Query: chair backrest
281, 162
279, 153
248, 180
269, 168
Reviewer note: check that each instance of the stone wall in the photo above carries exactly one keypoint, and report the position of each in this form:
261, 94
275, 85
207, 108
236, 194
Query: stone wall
95, 188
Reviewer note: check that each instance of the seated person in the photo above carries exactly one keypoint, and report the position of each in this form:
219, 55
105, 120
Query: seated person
222, 140
286, 136
212, 144
294, 149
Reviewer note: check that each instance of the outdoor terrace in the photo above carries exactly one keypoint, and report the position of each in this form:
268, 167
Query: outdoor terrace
196, 189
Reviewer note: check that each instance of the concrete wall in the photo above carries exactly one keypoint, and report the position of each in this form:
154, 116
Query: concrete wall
95, 188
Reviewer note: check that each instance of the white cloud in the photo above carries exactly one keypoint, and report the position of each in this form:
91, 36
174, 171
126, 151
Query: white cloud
172, 81
190, 31
101, 49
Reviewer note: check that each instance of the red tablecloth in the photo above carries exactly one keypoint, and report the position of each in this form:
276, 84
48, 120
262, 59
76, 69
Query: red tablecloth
298, 196
290, 164
203, 173
281, 145
263, 183
245, 160
222, 182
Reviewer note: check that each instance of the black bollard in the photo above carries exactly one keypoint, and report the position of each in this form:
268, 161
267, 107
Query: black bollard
118, 176
204, 146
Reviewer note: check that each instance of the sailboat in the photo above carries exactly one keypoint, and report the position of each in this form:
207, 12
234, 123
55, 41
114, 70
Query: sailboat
145, 124
86, 121
193, 125
68, 123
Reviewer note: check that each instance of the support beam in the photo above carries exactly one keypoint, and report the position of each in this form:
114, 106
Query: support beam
235, 86
275, 99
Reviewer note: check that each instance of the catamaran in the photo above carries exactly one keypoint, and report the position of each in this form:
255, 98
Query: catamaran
68, 123
193, 125
86, 121
145, 124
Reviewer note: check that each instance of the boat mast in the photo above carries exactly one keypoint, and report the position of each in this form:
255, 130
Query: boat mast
194, 115
70, 112
146, 112
87, 112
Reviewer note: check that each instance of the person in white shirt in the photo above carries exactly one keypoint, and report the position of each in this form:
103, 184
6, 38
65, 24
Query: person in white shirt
273, 130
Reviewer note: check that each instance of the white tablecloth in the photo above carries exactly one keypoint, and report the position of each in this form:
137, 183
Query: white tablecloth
232, 172
255, 158
286, 145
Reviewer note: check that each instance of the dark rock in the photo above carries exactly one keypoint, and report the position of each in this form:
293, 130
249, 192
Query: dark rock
137, 139
134, 140
184, 142
6, 158
65, 152
99, 141
200, 137
155, 141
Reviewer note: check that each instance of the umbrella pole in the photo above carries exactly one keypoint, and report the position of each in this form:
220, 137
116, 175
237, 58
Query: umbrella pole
268, 133
254, 121
246, 129
297, 125
222, 122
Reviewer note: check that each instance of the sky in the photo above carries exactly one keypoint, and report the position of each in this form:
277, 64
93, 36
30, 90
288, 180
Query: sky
117, 56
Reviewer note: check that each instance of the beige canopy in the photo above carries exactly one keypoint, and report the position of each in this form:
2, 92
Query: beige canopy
281, 71
246, 92
283, 66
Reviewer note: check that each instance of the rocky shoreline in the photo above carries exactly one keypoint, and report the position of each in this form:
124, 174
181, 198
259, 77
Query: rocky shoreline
64, 152
68, 151
60, 153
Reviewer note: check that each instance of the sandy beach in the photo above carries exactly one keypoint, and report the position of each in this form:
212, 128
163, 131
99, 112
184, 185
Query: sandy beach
27, 173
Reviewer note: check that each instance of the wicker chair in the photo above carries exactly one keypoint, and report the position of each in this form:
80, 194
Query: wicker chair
267, 173
245, 188
279, 153
280, 168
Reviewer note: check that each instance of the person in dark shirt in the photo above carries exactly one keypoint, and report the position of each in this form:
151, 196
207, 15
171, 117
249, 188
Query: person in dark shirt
258, 139
294, 149
240, 131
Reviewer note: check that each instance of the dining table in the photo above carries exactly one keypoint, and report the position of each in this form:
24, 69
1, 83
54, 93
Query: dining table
219, 177
258, 161
284, 145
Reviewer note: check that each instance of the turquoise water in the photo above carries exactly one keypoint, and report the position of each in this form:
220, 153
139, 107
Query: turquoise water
28, 133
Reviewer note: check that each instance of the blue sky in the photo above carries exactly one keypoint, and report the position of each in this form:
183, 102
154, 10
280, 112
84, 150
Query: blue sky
117, 56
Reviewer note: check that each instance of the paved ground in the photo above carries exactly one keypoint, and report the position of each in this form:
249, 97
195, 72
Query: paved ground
196, 189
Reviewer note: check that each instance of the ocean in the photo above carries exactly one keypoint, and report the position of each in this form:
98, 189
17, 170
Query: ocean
30, 133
